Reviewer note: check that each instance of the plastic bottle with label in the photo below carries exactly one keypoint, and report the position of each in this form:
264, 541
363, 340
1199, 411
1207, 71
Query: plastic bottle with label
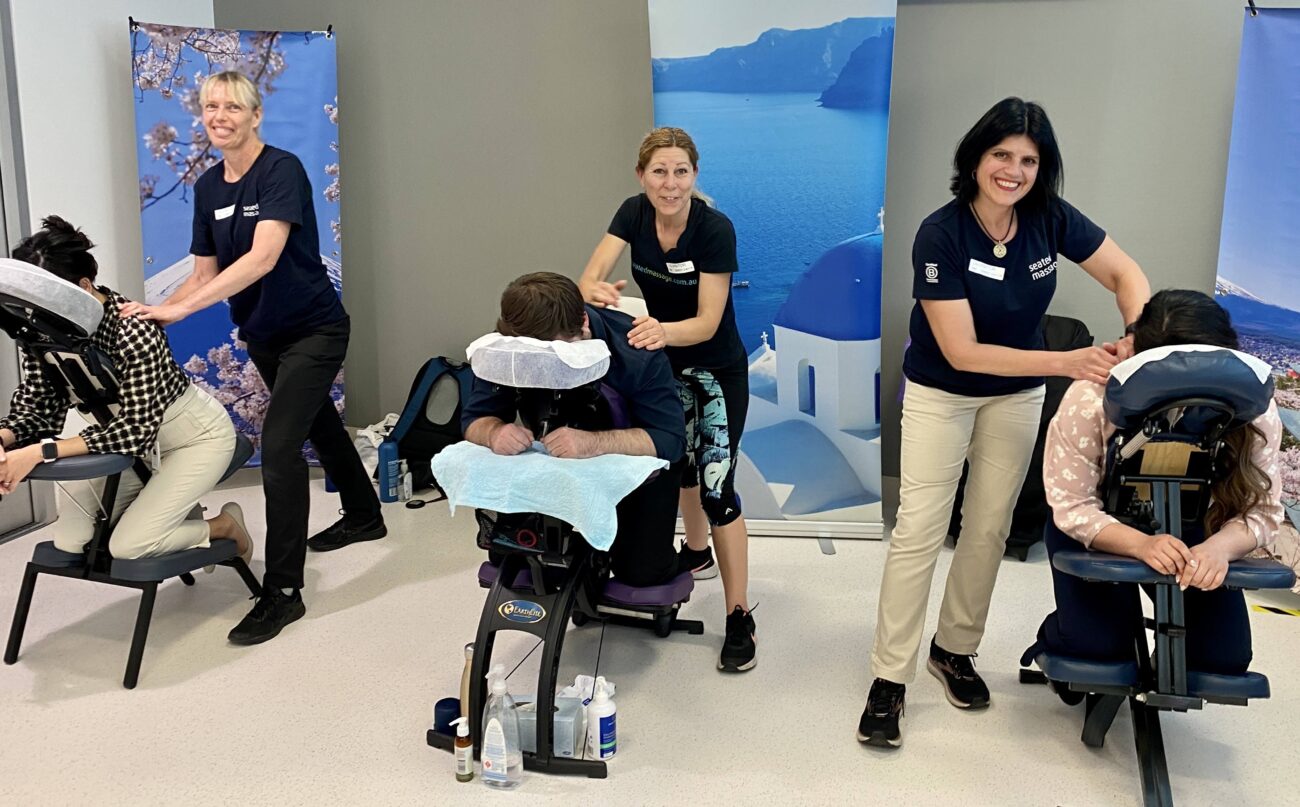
503, 758
602, 723
389, 471
464, 750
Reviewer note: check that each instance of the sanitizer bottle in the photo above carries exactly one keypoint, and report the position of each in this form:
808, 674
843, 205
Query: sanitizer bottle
503, 758
602, 726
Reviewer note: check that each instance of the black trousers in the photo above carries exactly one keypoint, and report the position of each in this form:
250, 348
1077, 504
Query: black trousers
644, 553
299, 374
1099, 620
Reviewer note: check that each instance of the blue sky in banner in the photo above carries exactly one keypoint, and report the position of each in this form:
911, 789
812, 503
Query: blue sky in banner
1259, 249
693, 28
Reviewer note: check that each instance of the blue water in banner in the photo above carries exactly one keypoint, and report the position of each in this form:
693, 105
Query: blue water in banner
296, 73
1259, 248
789, 107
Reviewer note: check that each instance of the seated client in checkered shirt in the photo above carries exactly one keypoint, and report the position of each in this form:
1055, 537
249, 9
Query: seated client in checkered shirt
184, 434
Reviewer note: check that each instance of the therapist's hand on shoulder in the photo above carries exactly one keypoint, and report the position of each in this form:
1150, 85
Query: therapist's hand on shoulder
602, 294
510, 439
1121, 348
647, 333
1087, 364
162, 314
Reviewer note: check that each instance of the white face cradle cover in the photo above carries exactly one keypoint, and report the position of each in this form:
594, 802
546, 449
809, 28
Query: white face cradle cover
526, 363
42, 290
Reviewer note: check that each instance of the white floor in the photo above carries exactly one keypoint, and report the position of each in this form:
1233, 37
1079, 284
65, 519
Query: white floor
334, 710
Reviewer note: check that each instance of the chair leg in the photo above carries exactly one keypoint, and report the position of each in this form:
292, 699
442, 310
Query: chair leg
1151, 756
147, 594
20, 613
1099, 714
187, 578
246, 574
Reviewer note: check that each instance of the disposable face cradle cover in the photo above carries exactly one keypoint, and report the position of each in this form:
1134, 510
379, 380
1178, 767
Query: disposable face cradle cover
526, 363
39, 288
585, 493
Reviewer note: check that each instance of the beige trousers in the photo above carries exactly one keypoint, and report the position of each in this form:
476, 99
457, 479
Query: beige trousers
196, 441
940, 430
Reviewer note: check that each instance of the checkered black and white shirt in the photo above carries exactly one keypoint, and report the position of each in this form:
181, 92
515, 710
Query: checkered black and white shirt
149, 381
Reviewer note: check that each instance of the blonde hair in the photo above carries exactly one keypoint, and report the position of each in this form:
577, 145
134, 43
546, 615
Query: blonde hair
666, 137
237, 84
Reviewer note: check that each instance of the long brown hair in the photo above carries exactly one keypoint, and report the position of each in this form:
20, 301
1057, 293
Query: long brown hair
1185, 317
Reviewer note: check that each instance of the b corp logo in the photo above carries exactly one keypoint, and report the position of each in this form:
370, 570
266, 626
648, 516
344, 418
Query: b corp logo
932, 273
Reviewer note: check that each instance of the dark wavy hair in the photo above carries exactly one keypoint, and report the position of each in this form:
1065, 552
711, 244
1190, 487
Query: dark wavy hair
60, 249
1008, 117
1186, 317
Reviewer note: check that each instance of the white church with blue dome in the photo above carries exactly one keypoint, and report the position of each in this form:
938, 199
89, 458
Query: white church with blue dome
811, 450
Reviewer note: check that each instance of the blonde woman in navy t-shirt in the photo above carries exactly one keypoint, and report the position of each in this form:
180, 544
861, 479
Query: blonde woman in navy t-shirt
683, 257
984, 272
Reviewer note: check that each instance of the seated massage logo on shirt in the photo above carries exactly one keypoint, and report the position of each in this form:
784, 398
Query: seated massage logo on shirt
251, 211
932, 273
522, 611
1042, 268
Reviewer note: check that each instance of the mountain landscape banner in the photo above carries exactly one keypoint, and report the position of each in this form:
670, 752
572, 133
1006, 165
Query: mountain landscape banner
1259, 246
789, 106
296, 73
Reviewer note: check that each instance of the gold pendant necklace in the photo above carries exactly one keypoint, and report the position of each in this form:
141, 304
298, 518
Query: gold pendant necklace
999, 244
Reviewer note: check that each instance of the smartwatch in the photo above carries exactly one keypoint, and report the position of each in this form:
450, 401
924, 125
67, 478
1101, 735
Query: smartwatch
49, 450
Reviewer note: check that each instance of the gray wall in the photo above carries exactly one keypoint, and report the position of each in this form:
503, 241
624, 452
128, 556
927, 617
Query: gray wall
1140, 95
479, 140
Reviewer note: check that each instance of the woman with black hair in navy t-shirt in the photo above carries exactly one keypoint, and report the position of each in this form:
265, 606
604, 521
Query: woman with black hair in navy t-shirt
683, 256
984, 272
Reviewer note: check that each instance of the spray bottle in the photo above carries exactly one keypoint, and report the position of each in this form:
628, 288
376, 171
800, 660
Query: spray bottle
464, 750
602, 726
503, 759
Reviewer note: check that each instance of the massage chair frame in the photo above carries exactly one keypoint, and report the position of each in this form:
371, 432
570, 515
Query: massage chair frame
62, 340
560, 573
1151, 468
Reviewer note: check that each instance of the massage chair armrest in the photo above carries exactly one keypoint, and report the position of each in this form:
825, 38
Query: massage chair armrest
1248, 573
87, 466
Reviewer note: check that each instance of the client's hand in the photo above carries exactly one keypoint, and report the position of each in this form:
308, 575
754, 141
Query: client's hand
570, 444
16, 465
1088, 363
510, 439
1207, 569
1166, 554
601, 294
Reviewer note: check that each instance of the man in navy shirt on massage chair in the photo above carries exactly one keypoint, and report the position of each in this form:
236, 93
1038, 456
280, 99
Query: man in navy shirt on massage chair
548, 306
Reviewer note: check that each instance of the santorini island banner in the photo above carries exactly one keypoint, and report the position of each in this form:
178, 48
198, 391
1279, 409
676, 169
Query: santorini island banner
789, 107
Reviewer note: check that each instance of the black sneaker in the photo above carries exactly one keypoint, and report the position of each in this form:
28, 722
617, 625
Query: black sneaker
738, 648
963, 686
274, 610
699, 562
347, 531
879, 723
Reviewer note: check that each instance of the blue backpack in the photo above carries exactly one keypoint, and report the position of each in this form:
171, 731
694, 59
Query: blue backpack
430, 420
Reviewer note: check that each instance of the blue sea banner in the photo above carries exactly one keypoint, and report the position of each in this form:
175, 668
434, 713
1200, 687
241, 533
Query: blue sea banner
296, 73
1259, 246
788, 104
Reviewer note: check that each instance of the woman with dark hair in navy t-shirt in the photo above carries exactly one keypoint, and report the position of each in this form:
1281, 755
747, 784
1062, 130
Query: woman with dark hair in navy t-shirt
984, 270
683, 256
255, 243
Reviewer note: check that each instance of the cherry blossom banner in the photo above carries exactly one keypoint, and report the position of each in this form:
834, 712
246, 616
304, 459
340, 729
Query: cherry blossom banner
296, 73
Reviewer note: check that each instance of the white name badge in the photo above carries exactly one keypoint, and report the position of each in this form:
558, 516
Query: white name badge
995, 272
681, 268
224, 213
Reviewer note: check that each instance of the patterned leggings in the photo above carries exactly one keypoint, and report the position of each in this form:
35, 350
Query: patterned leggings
715, 403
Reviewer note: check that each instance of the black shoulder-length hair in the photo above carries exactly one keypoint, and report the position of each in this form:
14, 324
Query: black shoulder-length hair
1008, 117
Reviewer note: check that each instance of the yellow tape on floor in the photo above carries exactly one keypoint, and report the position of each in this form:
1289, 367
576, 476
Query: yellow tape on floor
1273, 609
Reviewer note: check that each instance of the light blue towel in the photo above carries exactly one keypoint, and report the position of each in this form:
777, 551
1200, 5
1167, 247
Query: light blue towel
582, 492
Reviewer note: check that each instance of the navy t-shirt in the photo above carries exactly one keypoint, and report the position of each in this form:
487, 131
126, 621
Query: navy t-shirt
952, 259
643, 377
669, 281
296, 296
